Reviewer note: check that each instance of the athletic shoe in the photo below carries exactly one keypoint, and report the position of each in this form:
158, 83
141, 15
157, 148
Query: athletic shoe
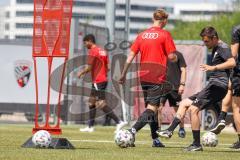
235, 145
157, 143
181, 133
87, 129
165, 134
194, 147
120, 125
219, 127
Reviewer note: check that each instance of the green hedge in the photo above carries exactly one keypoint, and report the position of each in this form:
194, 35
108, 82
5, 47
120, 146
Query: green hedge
223, 23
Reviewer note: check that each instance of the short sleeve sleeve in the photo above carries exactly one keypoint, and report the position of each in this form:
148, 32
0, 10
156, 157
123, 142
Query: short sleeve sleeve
136, 45
235, 35
169, 44
181, 60
225, 53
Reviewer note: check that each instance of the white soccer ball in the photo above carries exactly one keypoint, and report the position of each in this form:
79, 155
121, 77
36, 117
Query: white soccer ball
124, 138
42, 139
209, 139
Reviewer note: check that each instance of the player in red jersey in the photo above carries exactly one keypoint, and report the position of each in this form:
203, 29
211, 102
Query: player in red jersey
155, 46
98, 66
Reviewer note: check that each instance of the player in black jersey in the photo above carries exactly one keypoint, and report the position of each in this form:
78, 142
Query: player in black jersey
215, 91
233, 96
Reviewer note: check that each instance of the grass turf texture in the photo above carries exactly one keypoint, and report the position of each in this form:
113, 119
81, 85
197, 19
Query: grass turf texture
100, 145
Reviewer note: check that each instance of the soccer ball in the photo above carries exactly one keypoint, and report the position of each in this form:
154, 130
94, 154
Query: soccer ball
124, 138
42, 139
209, 139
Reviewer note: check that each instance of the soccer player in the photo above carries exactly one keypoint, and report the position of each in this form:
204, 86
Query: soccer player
176, 75
215, 91
233, 96
98, 66
155, 46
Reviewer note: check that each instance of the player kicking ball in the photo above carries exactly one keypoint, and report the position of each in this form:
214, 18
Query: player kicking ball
215, 91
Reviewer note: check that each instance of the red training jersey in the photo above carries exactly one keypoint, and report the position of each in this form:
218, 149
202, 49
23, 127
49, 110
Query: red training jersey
154, 45
98, 59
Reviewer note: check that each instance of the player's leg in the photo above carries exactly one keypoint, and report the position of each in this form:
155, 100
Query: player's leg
236, 109
174, 100
184, 105
163, 100
236, 116
152, 99
92, 115
226, 104
102, 104
195, 124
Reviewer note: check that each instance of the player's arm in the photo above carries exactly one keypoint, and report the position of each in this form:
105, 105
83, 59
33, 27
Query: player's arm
230, 63
172, 57
234, 48
87, 69
182, 80
129, 60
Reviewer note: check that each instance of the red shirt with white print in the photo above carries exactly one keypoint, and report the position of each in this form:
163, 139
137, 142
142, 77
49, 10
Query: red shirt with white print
98, 59
154, 45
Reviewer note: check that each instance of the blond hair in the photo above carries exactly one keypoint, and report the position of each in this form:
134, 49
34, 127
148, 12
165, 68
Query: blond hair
160, 14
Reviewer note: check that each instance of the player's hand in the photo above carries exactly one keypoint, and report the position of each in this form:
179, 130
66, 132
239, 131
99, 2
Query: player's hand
80, 75
122, 80
181, 89
206, 67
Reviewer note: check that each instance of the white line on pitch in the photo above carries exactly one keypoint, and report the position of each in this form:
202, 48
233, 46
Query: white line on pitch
138, 142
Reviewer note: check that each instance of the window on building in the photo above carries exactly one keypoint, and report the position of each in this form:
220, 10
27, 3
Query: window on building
24, 13
23, 37
7, 26
89, 4
24, 1
89, 16
24, 25
7, 14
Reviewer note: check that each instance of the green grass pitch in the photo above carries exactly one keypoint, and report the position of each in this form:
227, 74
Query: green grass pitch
100, 145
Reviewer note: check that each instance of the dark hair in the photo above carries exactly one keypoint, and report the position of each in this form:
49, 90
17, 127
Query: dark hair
209, 32
89, 37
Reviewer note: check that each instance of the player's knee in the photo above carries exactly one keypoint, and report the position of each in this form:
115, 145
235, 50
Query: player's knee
91, 101
194, 109
185, 103
101, 104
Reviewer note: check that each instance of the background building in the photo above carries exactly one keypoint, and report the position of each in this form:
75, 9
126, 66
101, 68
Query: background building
17, 17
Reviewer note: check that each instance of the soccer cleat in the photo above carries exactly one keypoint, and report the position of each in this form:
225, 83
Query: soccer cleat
181, 133
219, 127
235, 145
87, 129
194, 147
165, 134
120, 125
157, 143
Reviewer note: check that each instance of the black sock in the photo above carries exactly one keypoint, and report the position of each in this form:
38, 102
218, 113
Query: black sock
154, 127
92, 114
110, 113
174, 124
146, 117
196, 137
222, 116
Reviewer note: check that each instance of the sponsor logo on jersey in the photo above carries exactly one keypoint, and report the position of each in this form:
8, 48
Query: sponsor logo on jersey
148, 35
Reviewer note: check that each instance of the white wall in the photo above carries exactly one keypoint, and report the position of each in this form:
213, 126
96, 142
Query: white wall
10, 91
